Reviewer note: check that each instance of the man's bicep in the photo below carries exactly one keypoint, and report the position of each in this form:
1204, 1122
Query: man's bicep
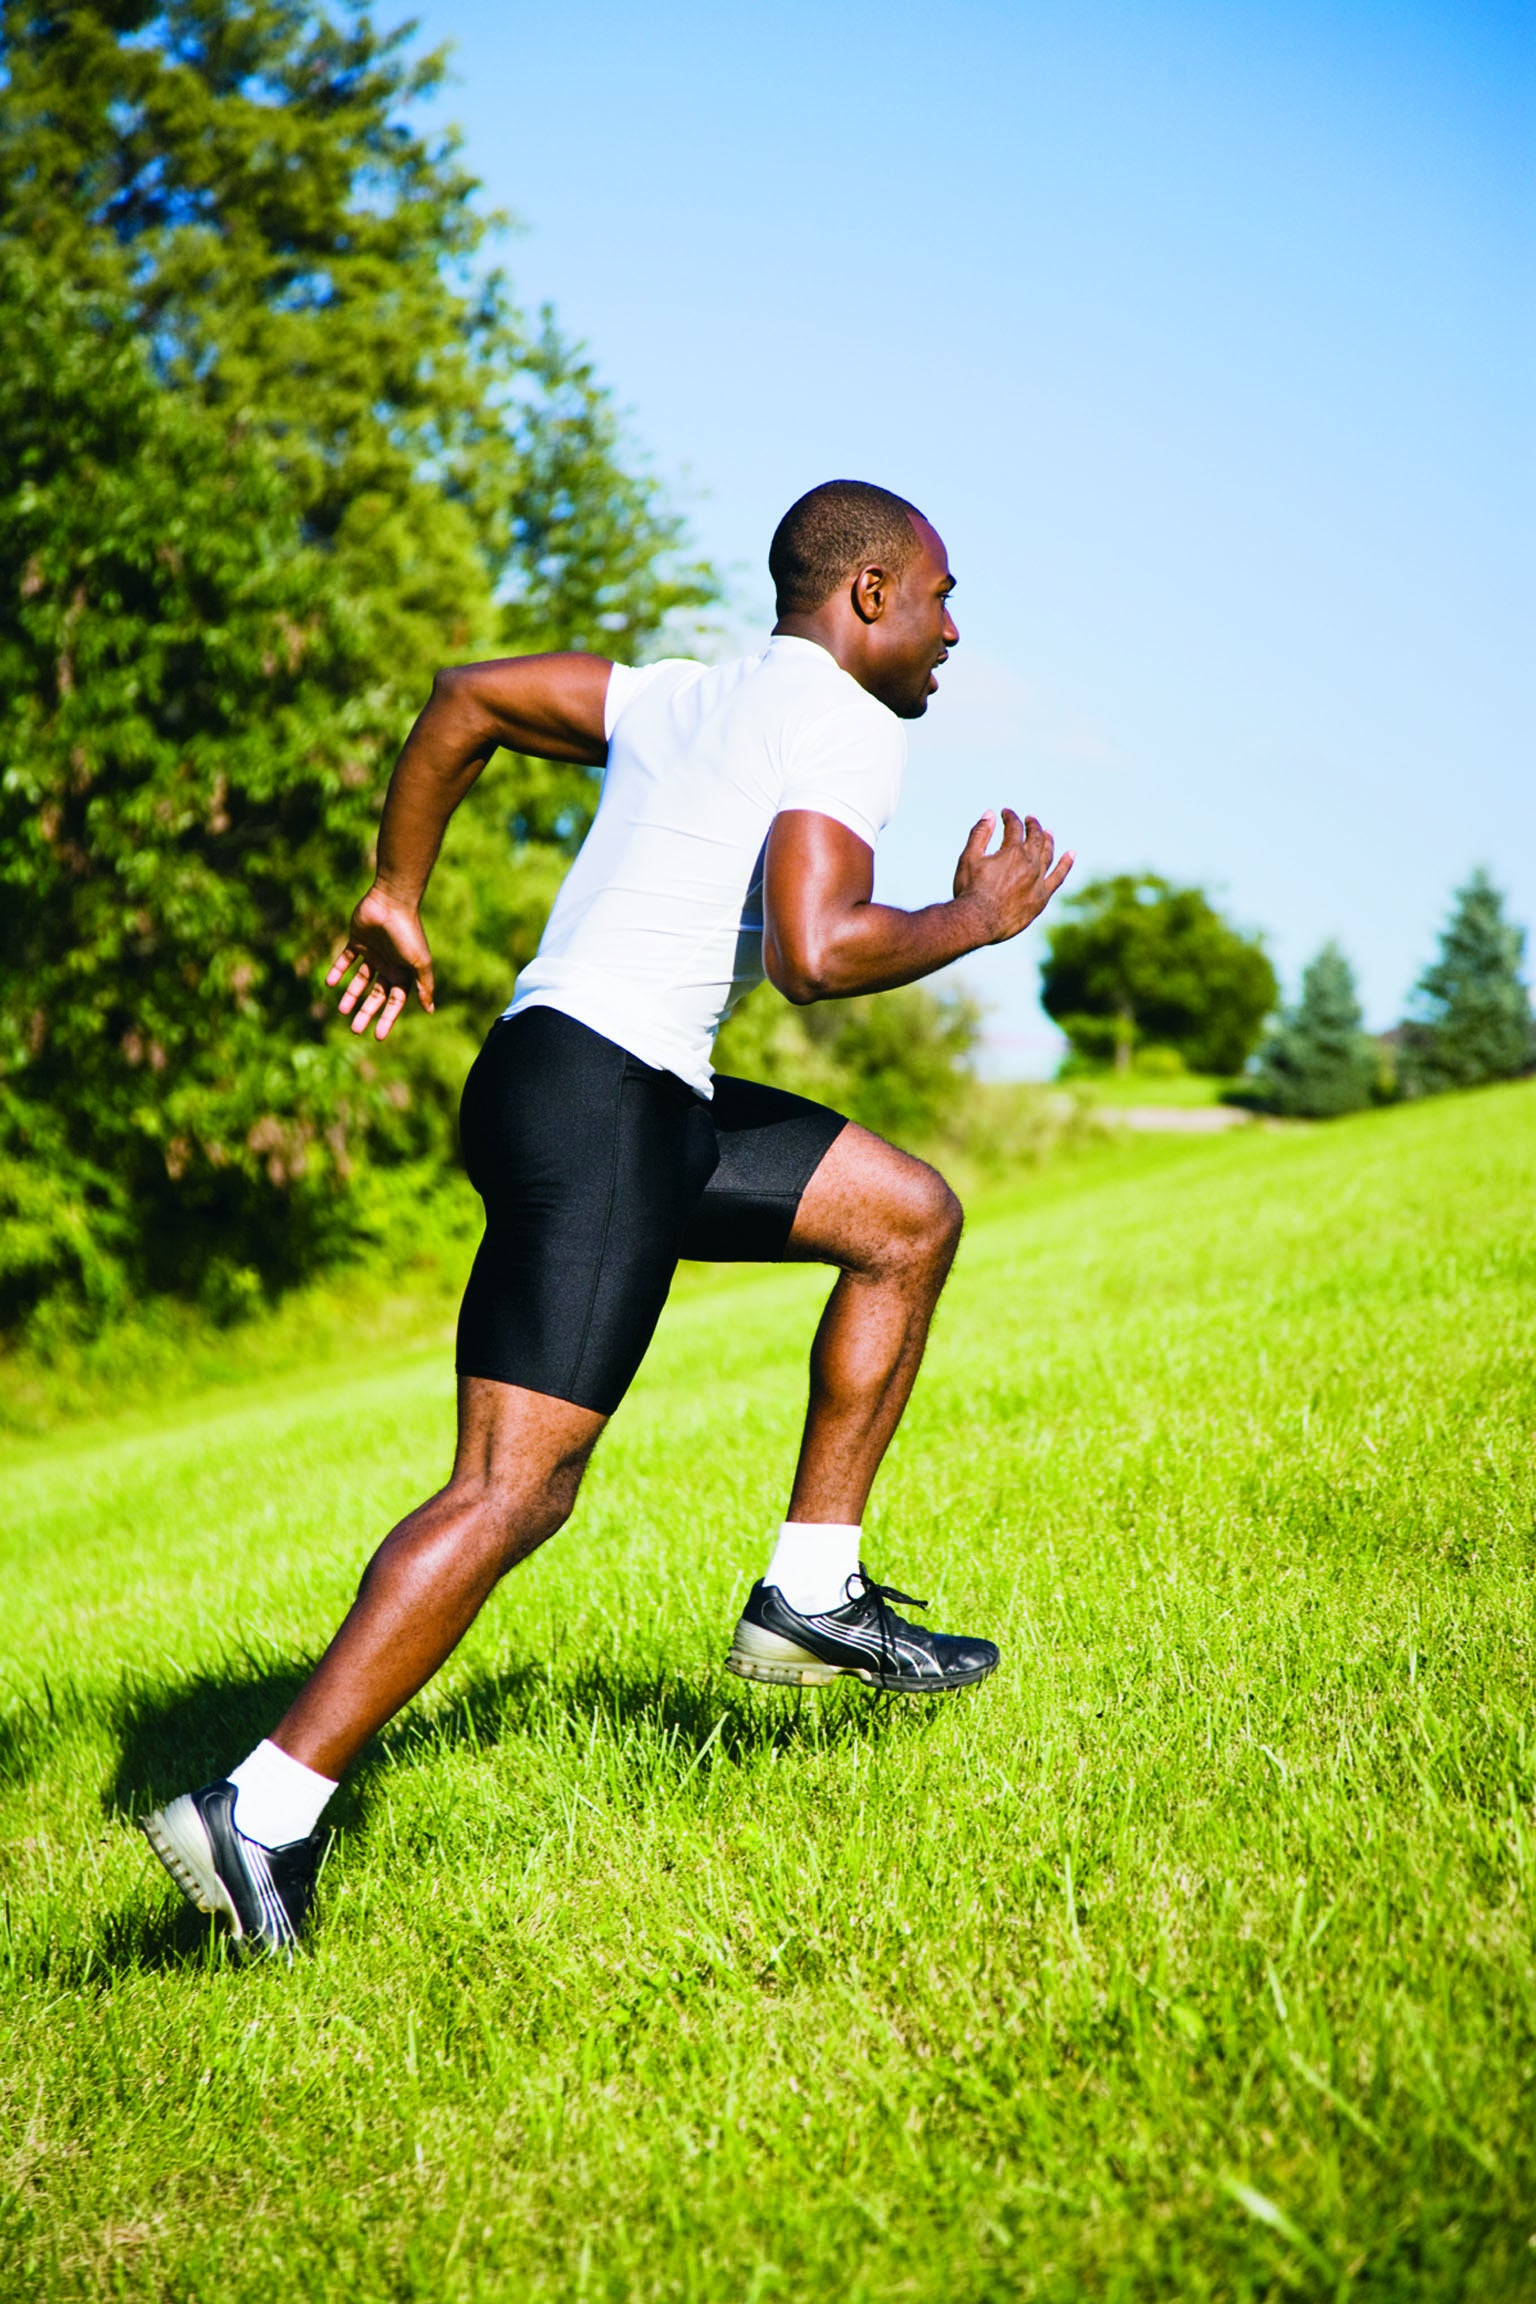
816, 871
815, 860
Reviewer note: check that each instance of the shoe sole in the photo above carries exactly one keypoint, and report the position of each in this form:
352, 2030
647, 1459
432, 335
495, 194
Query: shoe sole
180, 1839
757, 1654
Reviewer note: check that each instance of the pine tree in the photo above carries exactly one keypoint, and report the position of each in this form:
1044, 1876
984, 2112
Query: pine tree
1471, 1019
1318, 1063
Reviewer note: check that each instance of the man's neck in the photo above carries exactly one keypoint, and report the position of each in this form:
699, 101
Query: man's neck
830, 632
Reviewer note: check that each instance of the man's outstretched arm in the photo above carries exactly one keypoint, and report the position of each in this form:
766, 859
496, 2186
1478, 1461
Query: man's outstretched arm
548, 706
826, 938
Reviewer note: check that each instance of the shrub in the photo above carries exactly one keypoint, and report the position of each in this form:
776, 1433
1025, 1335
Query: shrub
897, 1062
1133, 960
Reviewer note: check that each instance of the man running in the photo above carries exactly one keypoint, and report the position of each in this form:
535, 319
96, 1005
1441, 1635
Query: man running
735, 837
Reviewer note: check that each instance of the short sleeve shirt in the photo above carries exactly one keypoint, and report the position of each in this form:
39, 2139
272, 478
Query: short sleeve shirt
658, 929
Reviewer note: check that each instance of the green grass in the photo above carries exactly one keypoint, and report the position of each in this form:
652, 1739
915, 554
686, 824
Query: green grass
161, 1347
1191, 1957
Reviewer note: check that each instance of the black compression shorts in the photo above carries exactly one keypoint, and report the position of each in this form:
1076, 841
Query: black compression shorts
597, 1174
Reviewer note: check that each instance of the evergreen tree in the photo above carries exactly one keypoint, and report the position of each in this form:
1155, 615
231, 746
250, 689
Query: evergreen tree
1472, 1013
1133, 961
1317, 1062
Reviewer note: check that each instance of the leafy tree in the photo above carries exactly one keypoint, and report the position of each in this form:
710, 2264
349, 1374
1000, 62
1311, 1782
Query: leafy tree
1134, 962
268, 455
188, 738
239, 176
1472, 1013
241, 179
1317, 1062
236, 178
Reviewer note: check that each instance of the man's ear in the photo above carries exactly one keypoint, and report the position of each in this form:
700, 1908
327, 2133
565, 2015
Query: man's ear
872, 588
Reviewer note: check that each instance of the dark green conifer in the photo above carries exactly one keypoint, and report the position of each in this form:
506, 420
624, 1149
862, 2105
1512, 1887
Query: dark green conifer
1471, 1019
1318, 1063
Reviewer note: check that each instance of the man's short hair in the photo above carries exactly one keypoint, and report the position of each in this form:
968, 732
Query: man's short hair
831, 533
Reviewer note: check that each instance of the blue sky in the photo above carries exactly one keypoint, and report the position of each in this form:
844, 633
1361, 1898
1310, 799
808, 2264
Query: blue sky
1204, 335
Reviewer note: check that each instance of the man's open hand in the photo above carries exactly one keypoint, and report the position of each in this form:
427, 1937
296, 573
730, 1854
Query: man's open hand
385, 955
1015, 883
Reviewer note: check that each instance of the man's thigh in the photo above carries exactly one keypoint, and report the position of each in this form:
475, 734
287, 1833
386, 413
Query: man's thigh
589, 1164
796, 1182
869, 1205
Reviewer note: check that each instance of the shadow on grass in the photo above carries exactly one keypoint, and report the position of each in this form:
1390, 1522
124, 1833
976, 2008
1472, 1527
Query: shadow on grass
189, 1732
664, 1716
657, 1725
168, 1734
174, 1735
171, 1738
168, 1936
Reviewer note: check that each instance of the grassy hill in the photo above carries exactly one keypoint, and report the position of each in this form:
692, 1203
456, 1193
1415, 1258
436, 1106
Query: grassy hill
1191, 1957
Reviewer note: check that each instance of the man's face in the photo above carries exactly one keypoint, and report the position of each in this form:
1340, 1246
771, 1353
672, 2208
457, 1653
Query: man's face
915, 630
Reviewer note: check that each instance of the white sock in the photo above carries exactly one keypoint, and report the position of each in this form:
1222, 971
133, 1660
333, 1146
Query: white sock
279, 1798
812, 1562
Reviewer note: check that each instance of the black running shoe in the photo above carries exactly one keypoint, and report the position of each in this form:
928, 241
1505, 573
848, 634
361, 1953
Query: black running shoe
865, 1639
264, 1893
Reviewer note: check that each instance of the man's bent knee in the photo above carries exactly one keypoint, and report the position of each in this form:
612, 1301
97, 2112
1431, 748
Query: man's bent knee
923, 1217
529, 1513
508, 1518
943, 1216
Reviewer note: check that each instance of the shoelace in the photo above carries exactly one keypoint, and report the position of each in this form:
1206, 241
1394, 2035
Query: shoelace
885, 1598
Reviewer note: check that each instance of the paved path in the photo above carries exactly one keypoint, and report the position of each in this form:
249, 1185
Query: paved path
1178, 1119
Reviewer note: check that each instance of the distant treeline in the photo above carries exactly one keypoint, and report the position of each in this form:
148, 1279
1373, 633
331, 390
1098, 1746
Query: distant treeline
1147, 977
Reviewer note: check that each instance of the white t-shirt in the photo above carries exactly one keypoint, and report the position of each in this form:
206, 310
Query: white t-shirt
658, 929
